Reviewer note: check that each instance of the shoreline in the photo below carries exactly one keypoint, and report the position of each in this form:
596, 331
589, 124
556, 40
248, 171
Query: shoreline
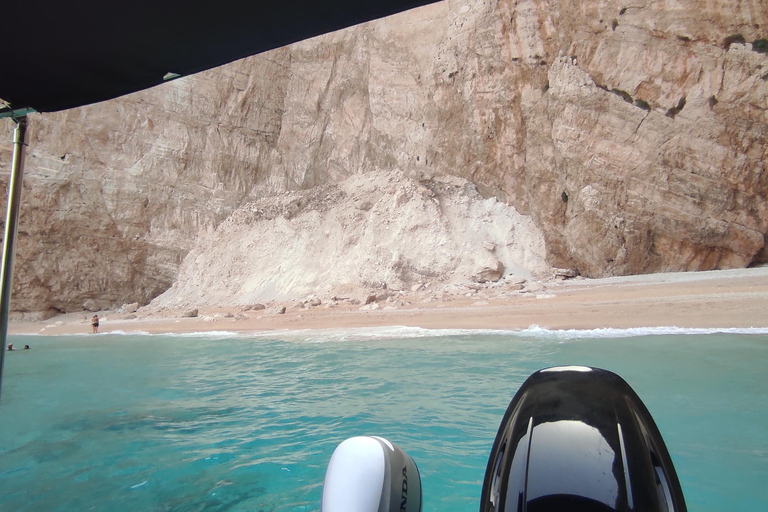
709, 300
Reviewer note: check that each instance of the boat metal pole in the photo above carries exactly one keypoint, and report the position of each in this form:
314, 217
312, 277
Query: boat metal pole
11, 224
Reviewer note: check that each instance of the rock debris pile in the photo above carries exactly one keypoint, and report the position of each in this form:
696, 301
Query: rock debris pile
366, 239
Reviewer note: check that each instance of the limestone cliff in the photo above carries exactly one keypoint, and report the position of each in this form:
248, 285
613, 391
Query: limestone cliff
633, 133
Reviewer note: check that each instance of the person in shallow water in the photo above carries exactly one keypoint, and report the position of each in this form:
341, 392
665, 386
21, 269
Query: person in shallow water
10, 346
95, 323
26, 347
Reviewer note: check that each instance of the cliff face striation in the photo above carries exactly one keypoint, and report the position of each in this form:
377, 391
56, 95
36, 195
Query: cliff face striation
633, 134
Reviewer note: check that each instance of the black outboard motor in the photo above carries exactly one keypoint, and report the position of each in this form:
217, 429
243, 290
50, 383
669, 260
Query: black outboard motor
579, 439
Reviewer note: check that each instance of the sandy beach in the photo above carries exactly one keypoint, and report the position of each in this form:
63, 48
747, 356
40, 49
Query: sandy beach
716, 299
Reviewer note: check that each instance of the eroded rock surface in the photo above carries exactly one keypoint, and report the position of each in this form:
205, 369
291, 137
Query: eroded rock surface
632, 133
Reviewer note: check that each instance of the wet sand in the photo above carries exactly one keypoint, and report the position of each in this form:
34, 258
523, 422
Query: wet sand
717, 299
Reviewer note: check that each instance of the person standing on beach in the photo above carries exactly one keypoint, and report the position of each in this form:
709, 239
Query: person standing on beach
95, 323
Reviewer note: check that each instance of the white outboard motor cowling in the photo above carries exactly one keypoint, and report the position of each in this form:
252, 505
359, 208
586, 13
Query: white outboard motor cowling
371, 474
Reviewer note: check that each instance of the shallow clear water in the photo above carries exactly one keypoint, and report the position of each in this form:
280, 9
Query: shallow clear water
248, 422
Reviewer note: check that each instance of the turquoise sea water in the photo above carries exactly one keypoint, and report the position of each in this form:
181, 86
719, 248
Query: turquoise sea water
248, 422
